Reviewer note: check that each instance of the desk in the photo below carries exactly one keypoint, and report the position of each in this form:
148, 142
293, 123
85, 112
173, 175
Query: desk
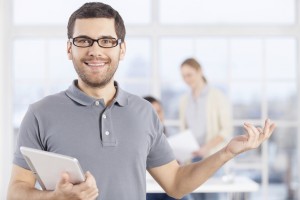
238, 188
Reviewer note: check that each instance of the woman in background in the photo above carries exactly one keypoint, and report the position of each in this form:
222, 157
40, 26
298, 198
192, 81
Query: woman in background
204, 110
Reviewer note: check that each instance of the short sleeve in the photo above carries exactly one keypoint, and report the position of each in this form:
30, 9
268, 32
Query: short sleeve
28, 136
160, 152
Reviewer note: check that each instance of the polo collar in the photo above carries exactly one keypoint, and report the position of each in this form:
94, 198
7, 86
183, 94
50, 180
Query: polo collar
74, 93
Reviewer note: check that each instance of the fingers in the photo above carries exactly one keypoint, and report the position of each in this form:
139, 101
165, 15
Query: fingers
64, 178
271, 125
91, 193
253, 133
268, 129
63, 185
257, 135
86, 190
90, 187
90, 180
260, 130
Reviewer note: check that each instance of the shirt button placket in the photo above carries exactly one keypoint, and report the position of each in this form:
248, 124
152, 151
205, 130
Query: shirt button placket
104, 117
108, 138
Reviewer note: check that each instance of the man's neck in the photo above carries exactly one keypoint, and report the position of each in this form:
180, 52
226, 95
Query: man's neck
107, 92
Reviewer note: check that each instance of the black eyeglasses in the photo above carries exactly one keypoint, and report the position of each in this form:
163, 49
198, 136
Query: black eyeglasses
105, 42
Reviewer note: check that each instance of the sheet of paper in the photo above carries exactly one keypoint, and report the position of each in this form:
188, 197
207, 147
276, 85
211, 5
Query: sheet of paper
183, 144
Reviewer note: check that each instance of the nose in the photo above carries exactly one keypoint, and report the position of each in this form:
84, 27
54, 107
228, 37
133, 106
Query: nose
95, 50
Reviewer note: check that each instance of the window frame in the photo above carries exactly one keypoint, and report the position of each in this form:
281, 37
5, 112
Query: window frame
13, 32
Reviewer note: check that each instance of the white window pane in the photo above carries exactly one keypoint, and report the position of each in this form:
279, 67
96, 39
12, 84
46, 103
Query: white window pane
283, 164
173, 51
138, 87
170, 96
246, 100
35, 12
29, 59
25, 93
246, 58
133, 11
282, 99
212, 54
137, 61
281, 58
60, 67
58, 86
227, 12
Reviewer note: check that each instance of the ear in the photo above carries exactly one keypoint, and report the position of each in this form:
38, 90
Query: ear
122, 50
69, 50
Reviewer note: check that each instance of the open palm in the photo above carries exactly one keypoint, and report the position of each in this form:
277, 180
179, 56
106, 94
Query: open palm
253, 138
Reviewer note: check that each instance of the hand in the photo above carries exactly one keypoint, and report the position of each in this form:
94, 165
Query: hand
86, 190
252, 139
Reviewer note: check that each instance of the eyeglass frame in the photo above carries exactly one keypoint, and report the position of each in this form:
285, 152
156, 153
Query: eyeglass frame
119, 41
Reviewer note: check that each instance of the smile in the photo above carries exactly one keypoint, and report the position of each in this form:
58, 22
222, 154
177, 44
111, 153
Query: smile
98, 64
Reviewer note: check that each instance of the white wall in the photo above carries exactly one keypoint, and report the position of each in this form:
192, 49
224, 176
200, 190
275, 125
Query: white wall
5, 105
1, 99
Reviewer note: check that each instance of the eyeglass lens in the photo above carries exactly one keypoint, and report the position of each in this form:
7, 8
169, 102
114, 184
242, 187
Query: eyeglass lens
102, 42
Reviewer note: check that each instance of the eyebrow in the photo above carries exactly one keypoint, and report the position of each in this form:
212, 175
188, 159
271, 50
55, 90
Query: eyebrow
102, 36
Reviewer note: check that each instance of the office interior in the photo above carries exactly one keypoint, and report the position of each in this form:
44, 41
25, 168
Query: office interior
249, 49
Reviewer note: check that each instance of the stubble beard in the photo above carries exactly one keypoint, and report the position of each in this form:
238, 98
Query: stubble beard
99, 83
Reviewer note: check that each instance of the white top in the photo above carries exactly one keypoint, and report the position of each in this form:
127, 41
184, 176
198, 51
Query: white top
196, 115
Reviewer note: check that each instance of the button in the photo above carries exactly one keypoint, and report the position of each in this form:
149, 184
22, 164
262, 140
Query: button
104, 116
97, 103
106, 133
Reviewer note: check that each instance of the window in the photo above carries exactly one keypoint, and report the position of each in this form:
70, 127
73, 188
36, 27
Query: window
255, 66
42, 12
227, 12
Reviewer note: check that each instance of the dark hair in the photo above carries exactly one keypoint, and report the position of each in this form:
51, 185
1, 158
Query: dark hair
193, 63
151, 99
97, 10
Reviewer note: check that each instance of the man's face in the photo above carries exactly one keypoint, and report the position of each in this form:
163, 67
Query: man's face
95, 65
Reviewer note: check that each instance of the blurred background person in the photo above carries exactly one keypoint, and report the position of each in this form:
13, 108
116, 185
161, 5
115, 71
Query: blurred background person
158, 108
206, 112
160, 112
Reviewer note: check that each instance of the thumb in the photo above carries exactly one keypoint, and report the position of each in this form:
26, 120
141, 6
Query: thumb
88, 174
64, 178
89, 177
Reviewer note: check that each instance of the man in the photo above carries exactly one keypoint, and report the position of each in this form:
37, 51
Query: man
115, 135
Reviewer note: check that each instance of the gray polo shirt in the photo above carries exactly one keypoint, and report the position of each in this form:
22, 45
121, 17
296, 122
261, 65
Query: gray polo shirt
115, 143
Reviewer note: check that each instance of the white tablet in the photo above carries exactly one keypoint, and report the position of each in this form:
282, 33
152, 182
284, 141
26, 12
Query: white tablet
48, 167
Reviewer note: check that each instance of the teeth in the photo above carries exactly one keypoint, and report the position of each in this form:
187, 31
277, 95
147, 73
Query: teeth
97, 64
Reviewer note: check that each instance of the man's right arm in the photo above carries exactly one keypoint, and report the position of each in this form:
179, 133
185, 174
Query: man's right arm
22, 187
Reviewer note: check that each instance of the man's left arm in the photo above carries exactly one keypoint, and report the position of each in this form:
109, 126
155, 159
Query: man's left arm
178, 181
